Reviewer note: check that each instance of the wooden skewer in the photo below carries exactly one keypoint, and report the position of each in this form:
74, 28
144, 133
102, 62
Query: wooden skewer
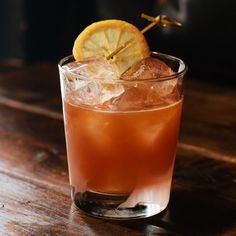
119, 49
163, 20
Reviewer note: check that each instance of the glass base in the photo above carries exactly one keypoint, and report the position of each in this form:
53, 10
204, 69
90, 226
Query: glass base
107, 206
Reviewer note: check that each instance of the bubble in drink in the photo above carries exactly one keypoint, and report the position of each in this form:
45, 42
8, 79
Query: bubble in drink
92, 81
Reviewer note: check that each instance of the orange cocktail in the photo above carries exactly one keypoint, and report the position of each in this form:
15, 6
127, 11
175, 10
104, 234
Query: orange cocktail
121, 152
116, 152
122, 108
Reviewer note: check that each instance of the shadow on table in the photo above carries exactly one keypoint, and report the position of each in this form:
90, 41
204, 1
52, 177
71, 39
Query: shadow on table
200, 212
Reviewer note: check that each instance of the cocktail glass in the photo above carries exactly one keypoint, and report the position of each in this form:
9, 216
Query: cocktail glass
121, 153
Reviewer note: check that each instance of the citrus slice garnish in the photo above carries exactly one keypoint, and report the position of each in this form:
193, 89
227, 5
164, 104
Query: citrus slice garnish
105, 37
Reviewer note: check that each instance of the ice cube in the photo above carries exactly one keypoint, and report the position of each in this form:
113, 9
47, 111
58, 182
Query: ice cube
134, 98
91, 68
92, 81
167, 91
147, 68
150, 93
98, 92
147, 96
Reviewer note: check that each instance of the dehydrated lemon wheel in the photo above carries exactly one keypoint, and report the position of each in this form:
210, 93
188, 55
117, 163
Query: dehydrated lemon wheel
104, 37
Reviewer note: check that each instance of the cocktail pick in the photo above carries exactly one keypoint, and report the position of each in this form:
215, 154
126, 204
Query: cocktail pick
161, 20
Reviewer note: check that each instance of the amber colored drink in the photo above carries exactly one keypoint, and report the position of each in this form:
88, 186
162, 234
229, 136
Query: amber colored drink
113, 152
121, 139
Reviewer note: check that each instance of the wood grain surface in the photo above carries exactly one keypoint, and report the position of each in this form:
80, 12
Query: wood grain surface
34, 189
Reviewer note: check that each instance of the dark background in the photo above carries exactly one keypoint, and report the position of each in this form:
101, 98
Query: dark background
40, 30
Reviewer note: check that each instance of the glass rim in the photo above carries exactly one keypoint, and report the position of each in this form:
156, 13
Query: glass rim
176, 75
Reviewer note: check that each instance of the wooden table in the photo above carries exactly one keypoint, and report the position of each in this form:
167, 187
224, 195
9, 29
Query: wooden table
34, 190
